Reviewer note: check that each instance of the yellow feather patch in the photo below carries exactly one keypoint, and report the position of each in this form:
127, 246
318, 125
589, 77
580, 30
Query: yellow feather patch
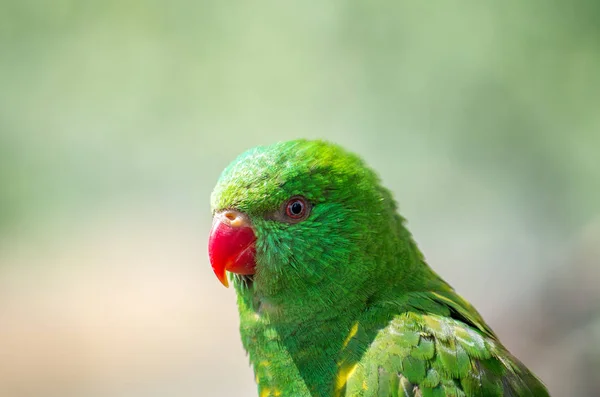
351, 334
267, 391
346, 369
343, 375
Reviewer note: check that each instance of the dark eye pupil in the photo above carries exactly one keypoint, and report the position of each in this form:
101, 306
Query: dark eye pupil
296, 208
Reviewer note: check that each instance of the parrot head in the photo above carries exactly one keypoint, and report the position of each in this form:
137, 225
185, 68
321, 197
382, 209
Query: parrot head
301, 217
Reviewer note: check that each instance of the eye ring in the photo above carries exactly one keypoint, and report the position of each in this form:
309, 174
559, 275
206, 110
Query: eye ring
297, 209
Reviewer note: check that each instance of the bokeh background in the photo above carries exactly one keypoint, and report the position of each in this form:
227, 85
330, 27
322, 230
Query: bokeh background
116, 119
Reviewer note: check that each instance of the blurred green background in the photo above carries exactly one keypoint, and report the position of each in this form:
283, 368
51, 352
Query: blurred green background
116, 119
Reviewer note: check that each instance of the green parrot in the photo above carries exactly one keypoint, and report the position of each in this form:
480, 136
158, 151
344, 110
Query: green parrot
334, 297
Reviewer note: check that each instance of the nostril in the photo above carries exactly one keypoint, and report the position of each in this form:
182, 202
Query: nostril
230, 215
235, 218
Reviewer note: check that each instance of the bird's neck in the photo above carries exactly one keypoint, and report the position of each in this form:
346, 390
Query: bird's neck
310, 355
291, 355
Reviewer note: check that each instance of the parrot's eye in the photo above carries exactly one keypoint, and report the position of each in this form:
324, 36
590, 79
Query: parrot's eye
297, 209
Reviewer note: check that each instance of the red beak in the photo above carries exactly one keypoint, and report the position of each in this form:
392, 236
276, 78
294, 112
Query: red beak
231, 245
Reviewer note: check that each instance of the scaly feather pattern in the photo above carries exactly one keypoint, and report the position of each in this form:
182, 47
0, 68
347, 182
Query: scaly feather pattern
343, 303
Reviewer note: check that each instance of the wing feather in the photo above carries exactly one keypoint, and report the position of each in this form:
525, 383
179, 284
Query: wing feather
426, 354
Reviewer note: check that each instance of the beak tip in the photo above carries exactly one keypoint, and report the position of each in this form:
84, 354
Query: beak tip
222, 276
224, 281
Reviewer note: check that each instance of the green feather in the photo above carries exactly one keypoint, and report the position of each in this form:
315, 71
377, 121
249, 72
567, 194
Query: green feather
438, 391
425, 349
405, 388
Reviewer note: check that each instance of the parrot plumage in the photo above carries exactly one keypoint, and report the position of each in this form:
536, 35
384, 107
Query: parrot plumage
334, 297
